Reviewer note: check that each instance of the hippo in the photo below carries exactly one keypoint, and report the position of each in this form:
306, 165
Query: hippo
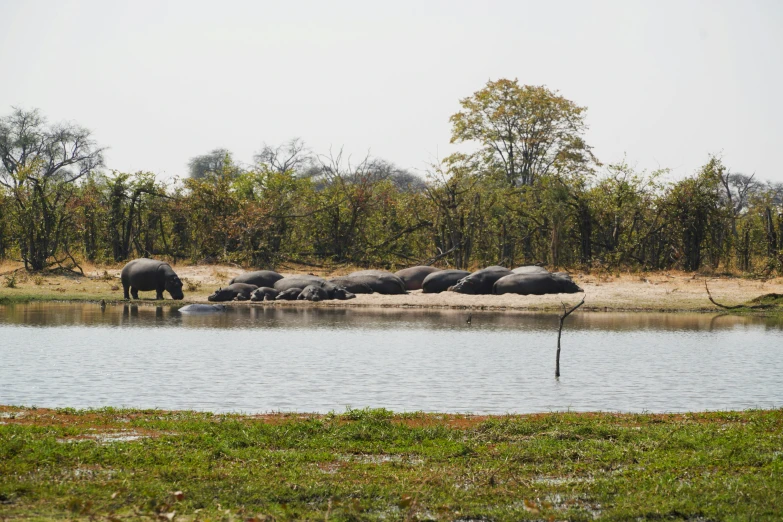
201, 309
300, 281
535, 284
313, 293
530, 269
380, 281
438, 282
237, 291
414, 276
481, 281
352, 285
263, 293
297, 281
259, 278
291, 294
148, 274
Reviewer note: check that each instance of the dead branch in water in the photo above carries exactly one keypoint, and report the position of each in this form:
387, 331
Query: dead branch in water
566, 313
734, 307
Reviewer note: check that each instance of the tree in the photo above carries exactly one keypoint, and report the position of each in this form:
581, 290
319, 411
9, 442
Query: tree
523, 130
40, 164
291, 156
213, 164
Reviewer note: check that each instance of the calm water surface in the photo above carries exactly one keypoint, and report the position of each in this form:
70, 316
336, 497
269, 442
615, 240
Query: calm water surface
318, 360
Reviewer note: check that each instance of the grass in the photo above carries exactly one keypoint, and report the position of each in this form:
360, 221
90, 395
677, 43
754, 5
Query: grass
376, 465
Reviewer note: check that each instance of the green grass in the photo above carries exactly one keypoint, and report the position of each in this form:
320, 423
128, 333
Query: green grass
376, 465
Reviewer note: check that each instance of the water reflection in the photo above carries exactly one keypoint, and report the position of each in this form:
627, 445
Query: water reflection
249, 316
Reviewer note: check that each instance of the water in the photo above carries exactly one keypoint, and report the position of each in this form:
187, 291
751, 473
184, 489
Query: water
318, 360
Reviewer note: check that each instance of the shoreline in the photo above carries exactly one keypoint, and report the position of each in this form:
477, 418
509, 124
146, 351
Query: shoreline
670, 292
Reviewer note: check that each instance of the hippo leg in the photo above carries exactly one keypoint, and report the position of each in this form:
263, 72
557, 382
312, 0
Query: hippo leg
125, 289
135, 292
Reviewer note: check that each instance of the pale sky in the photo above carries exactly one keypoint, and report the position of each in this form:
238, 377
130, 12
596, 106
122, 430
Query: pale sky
665, 82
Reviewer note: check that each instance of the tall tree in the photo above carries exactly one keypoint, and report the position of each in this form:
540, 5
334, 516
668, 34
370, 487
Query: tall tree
213, 163
524, 130
40, 164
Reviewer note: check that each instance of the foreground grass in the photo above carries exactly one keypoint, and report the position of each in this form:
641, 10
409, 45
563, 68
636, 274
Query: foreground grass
371, 465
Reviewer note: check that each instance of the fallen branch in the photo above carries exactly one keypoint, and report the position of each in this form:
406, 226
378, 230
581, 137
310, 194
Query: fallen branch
566, 313
734, 307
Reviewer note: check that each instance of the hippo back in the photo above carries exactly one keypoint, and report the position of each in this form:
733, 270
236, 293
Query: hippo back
259, 278
440, 281
481, 281
530, 269
352, 285
535, 284
413, 277
380, 281
298, 281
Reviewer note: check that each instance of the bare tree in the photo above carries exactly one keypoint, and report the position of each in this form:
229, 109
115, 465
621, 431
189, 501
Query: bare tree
293, 155
40, 164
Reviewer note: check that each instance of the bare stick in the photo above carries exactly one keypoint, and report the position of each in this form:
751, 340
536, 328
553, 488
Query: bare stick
734, 307
566, 313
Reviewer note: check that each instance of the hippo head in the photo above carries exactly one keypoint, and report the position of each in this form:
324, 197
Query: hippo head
567, 286
466, 285
222, 294
173, 286
342, 294
309, 294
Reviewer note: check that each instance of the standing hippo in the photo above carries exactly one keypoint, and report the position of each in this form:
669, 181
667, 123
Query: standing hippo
481, 281
442, 280
263, 293
313, 293
352, 285
530, 269
535, 284
414, 276
237, 291
148, 274
259, 278
290, 294
380, 281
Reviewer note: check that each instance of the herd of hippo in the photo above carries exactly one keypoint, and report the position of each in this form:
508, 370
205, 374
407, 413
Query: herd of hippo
267, 285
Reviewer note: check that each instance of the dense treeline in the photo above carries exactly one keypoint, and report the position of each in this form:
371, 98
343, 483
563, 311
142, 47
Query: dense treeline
531, 192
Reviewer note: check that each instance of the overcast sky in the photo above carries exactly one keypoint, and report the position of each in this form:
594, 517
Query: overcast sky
665, 83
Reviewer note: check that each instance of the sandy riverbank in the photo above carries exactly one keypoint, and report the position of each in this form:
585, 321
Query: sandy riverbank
659, 291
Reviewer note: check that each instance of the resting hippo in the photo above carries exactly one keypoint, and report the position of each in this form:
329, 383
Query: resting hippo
292, 294
535, 284
481, 281
414, 276
301, 281
380, 281
313, 293
438, 282
149, 274
238, 291
297, 281
259, 278
352, 285
201, 309
264, 293
530, 269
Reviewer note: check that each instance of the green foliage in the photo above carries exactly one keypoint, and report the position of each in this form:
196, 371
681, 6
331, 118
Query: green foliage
372, 464
530, 193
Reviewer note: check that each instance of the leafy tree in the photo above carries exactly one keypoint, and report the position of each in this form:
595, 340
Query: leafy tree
212, 164
524, 131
